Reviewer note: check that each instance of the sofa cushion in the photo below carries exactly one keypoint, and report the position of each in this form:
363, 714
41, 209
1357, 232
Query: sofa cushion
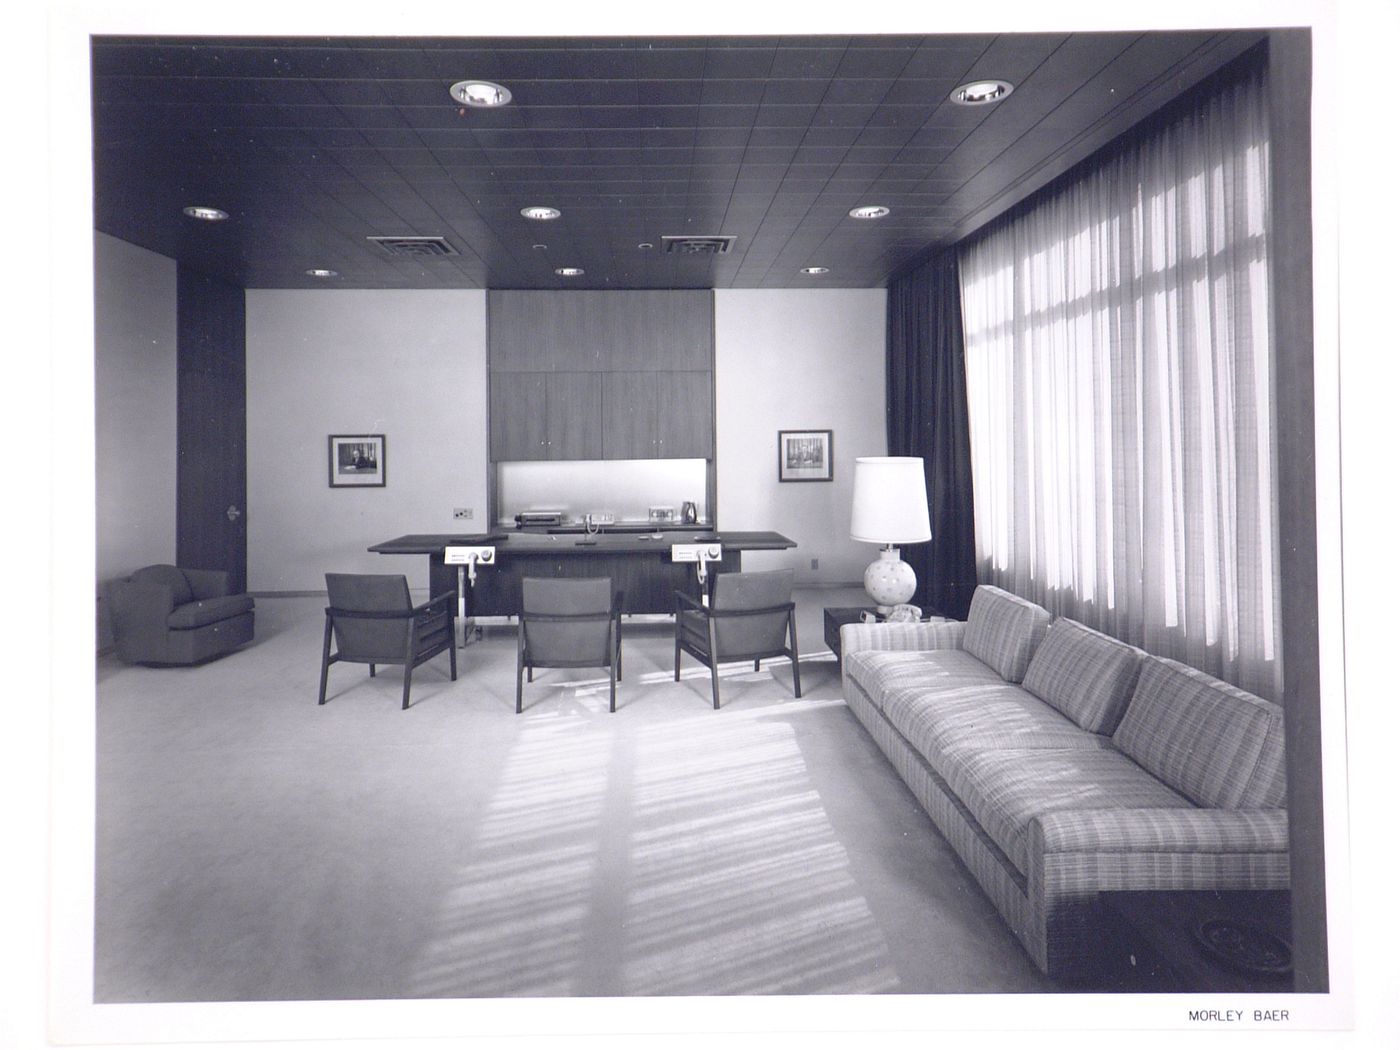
1085, 675
883, 673
209, 610
1004, 630
1216, 744
166, 576
1006, 790
989, 716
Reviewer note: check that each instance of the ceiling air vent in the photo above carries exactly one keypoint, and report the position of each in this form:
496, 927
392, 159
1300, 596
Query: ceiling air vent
691, 245
417, 247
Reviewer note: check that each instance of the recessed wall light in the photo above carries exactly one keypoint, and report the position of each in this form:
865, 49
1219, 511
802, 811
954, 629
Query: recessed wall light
322, 273
981, 92
540, 212
813, 271
480, 93
569, 271
196, 211
869, 211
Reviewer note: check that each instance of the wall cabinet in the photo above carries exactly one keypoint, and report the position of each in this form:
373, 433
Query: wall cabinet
546, 415
657, 415
601, 375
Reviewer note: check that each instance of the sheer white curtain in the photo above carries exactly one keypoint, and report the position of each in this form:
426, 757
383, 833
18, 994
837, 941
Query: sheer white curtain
1119, 389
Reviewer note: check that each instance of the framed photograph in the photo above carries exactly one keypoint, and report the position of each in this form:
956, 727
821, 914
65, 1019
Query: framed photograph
804, 455
357, 460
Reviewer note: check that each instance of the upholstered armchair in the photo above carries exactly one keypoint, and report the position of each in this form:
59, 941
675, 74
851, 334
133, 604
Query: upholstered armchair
167, 615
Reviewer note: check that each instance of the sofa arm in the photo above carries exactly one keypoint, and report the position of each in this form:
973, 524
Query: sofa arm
208, 583
905, 637
1161, 831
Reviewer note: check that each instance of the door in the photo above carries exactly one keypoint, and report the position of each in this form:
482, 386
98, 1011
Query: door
211, 480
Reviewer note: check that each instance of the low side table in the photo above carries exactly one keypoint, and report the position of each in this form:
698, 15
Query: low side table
834, 619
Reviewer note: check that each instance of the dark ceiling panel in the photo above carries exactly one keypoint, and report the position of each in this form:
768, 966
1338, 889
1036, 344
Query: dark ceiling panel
315, 144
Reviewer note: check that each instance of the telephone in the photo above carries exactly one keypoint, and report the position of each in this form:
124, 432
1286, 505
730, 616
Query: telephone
904, 614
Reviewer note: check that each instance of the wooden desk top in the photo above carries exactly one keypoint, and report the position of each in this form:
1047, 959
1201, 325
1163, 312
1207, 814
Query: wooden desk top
572, 543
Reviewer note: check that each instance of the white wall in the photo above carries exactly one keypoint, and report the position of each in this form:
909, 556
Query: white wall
410, 365
134, 395
796, 360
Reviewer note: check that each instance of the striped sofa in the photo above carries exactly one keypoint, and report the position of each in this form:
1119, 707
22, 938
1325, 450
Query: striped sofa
1060, 762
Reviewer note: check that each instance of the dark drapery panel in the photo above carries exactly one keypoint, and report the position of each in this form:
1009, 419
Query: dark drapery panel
926, 394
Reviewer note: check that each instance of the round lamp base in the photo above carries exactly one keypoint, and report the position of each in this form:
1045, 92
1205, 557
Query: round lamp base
890, 581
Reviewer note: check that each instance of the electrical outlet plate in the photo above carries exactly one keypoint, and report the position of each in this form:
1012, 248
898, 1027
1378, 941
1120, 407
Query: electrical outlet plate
461, 514
469, 555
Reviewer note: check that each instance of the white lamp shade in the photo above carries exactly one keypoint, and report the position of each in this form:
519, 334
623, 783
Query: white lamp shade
890, 504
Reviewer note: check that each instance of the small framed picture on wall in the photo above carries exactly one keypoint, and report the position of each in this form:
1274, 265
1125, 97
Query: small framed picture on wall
357, 460
804, 455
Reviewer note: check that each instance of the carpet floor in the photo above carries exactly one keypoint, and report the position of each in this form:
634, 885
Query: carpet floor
254, 846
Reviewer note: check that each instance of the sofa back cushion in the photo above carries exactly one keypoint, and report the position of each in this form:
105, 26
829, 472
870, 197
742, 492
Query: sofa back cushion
1087, 676
1003, 631
166, 576
1218, 745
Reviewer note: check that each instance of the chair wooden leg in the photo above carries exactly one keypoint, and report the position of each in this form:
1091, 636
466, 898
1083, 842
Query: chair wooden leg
796, 677
519, 668
410, 653
407, 681
325, 660
452, 650
755, 665
678, 657
371, 670
714, 666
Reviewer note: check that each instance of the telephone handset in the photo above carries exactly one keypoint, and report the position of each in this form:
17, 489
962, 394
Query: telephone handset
897, 614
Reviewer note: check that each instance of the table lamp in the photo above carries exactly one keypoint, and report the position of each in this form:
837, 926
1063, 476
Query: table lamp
890, 506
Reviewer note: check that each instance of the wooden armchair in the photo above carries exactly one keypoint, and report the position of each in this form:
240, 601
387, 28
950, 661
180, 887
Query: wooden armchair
568, 623
751, 616
374, 621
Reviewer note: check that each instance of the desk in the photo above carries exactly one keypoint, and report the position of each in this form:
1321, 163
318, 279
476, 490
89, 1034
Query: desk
640, 564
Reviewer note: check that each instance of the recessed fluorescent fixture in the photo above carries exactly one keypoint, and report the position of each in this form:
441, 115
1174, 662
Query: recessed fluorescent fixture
540, 212
195, 211
569, 271
980, 92
480, 93
813, 271
321, 273
869, 211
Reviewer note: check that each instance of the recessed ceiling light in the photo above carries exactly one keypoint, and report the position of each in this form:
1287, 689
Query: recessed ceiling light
539, 247
540, 212
195, 211
646, 246
569, 271
321, 273
813, 271
980, 92
480, 93
869, 211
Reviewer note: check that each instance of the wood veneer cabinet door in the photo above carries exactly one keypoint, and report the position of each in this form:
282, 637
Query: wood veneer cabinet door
657, 330
519, 416
546, 331
629, 415
575, 428
685, 417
